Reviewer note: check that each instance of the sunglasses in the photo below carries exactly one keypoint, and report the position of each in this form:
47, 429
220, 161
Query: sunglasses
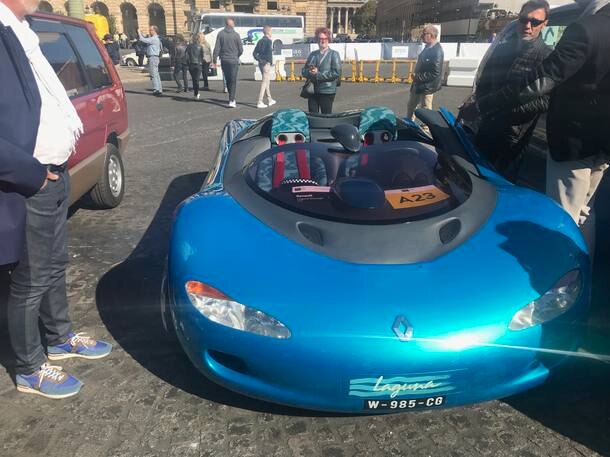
535, 22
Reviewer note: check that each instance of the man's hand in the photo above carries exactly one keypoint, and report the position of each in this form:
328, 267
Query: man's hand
313, 71
50, 177
469, 111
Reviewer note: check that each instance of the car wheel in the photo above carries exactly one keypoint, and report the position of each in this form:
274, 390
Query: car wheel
277, 46
130, 63
110, 188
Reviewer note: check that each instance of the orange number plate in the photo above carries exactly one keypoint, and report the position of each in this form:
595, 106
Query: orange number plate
414, 197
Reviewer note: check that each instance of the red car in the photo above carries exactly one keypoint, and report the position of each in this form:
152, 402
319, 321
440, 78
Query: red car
93, 84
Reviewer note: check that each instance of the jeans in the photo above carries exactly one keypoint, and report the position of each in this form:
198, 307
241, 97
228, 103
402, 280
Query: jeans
321, 103
205, 69
38, 283
230, 71
181, 76
195, 71
266, 83
153, 69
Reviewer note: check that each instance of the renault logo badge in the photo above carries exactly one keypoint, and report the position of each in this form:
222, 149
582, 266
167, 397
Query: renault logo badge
402, 328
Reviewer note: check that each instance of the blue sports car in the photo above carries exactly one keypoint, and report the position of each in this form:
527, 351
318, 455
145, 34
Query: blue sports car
357, 263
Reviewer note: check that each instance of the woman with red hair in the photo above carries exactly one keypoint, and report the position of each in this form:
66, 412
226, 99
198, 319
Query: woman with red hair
323, 69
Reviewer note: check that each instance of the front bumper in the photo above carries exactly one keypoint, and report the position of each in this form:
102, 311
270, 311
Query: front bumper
319, 371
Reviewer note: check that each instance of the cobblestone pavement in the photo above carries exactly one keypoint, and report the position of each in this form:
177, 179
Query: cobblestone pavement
146, 399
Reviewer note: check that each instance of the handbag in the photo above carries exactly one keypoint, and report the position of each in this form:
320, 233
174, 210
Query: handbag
309, 87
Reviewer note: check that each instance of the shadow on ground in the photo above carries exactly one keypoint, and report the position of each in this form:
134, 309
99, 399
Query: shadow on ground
128, 299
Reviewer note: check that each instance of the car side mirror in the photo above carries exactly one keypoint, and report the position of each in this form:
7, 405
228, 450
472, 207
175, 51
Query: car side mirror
348, 135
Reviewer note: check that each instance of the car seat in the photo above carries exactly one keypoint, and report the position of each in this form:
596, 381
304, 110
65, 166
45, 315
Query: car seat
289, 126
296, 167
377, 125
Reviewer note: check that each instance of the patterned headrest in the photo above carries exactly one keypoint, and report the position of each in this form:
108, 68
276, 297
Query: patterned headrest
377, 118
289, 121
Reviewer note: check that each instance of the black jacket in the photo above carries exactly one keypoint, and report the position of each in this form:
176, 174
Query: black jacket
193, 54
228, 46
263, 52
179, 54
113, 51
577, 74
428, 74
21, 175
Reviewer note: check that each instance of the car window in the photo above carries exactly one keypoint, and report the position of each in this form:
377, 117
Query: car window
60, 54
95, 66
385, 184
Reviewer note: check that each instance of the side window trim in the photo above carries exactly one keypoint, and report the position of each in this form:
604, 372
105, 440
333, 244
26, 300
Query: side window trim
81, 64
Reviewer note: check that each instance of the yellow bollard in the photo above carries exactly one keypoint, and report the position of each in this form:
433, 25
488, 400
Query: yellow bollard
361, 78
354, 71
292, 78
393, 79
410, 74
377, 78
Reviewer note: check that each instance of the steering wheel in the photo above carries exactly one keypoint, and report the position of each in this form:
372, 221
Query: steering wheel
299, 182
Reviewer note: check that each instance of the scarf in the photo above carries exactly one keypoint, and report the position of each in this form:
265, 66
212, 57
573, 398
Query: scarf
45, 75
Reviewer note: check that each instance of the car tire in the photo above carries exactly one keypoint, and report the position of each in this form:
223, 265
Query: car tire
277, 47
130, 63
110, 188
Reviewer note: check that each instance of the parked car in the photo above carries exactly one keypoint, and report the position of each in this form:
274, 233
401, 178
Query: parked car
93, 84
355, 264
131, 59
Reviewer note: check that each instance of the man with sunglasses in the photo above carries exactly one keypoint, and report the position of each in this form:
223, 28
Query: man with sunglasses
503, 136
577, 76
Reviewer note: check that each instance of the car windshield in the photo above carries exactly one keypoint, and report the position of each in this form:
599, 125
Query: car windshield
397, 182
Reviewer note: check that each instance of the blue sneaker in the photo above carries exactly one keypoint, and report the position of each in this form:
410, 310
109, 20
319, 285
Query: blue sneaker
50, 382
79, 345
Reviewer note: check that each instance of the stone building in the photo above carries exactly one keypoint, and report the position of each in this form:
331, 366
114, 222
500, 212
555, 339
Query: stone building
173, 16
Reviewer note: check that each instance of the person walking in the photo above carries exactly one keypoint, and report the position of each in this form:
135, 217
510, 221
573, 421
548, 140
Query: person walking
180, 65
194, 60
428, 73
577, 77
112, 47
140, 49
229, 48
207, 60
153, 53
503, 136
323, 69
38, 282
263, 54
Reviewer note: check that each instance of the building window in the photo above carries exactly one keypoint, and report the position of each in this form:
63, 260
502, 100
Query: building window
272, 5
215, 4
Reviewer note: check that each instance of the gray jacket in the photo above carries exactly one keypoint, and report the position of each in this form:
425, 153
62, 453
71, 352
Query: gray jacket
228, 46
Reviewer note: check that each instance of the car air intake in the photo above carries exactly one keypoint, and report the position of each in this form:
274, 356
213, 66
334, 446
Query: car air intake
310, 233
449, 231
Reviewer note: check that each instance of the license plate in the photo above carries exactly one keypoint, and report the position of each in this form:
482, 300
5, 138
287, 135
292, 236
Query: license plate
404, 404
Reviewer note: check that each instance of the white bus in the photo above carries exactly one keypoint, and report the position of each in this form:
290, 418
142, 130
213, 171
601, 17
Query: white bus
286, 29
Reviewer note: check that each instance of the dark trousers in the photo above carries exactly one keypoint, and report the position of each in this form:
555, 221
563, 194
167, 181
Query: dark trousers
230, 71
38, 282
205, 69
140, 60
181, 76
321, 103
195, 71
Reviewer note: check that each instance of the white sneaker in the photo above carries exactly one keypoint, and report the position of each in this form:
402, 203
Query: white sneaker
225, 90
197, 96
271, 102
261, 105
232, 104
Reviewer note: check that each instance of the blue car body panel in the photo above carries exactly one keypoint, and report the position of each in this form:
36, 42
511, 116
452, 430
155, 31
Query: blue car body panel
343, 349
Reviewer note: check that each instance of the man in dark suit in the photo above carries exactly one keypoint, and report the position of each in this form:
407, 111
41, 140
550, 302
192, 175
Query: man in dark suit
21, 175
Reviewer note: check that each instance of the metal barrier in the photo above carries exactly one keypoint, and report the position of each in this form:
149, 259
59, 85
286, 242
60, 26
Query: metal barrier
402, 71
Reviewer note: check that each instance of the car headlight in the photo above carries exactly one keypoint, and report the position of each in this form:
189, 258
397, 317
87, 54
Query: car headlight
219, 308
553, 303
